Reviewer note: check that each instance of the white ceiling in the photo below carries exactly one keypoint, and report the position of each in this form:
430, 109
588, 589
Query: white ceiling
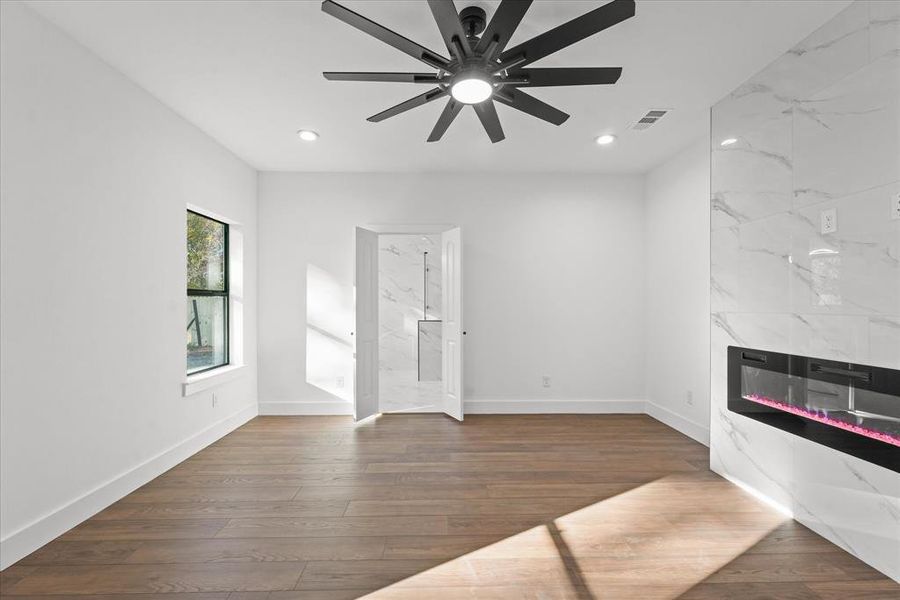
249, 74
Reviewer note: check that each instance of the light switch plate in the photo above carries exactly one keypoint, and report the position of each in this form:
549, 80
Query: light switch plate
828, 219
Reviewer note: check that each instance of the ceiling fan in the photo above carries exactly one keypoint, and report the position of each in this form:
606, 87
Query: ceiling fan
481, 69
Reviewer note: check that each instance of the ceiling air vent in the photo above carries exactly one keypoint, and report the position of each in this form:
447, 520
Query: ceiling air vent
650, 118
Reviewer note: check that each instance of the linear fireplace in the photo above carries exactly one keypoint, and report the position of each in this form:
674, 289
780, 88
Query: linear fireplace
849, 407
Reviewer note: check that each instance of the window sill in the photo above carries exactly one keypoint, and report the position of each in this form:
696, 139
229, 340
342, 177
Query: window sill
203, 381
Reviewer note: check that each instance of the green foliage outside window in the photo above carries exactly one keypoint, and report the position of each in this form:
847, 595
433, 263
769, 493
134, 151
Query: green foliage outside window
205, 253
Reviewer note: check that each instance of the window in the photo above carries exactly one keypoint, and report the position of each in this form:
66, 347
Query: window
207, 293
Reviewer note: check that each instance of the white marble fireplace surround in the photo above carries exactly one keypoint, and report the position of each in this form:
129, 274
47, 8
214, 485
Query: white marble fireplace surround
817, 129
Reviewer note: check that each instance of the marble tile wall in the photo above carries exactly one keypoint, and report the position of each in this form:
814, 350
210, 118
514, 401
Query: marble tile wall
401, 305
818, 129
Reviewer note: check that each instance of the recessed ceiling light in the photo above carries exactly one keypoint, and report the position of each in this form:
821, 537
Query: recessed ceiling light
605, 139
308, 135
728, 141
471, 87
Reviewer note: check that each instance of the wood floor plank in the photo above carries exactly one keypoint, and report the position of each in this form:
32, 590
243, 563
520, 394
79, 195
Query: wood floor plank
133, 529
749, 591
498, 506
157, 579
14, 574
249, 481
337, 527
222, 510
881, 589
230, 471
531, 543
321, 594
307, 478
151, 493
321, 493
830, 566
257, 550
421, 507
661, 464
463, 476
59, 552
352, 574
166, 596
595, 491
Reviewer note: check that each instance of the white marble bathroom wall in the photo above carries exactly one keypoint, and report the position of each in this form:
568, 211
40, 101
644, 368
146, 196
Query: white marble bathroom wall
404, 300
817, 130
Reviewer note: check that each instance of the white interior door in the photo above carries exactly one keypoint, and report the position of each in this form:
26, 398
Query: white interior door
452, 331
365, 389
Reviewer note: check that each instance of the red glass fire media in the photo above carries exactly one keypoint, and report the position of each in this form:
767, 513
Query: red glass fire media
823, 417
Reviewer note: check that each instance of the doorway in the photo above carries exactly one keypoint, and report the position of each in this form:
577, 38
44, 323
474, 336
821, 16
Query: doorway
409, 323
408, 338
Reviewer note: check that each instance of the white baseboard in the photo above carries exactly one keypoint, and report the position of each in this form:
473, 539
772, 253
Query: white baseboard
551, 407
306, 407
473, 407
26, 540
677, 422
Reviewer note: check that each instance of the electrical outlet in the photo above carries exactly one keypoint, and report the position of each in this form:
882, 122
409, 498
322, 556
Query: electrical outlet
546, 381
215, 400
828, 219
895, 206
690, 398
340, 382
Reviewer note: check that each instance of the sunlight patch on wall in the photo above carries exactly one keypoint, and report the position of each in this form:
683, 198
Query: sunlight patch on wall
329, 345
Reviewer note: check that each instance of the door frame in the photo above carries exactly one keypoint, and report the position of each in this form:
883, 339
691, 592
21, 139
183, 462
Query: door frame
408, 228
403, 229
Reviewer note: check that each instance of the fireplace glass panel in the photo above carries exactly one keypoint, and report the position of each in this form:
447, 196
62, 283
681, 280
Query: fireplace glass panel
872, 414
849, 407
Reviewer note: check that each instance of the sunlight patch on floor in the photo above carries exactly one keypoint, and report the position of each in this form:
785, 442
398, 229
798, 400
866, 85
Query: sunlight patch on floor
655, 541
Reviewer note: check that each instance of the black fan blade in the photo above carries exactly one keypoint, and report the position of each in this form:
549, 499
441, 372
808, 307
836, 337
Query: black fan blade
409, 104
568, 33
487, 114
502, 26
448, 22
531, 105
450, 111
567, 76
392, 77
384, 34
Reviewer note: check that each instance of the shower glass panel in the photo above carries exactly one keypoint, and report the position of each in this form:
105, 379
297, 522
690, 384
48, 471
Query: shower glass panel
430, 350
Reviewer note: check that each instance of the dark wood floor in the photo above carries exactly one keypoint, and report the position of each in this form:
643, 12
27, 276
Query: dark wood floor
418, 507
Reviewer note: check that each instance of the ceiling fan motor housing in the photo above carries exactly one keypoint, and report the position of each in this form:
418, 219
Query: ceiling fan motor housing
474, 20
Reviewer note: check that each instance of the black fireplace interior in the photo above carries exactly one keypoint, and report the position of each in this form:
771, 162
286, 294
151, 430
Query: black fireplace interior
849, 407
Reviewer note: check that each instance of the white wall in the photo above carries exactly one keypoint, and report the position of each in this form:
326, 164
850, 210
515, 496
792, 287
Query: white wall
553, 283
96, 175
677, 301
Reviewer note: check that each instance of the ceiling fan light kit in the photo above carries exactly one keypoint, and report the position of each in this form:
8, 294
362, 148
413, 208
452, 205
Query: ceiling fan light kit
471, 87
481, 70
